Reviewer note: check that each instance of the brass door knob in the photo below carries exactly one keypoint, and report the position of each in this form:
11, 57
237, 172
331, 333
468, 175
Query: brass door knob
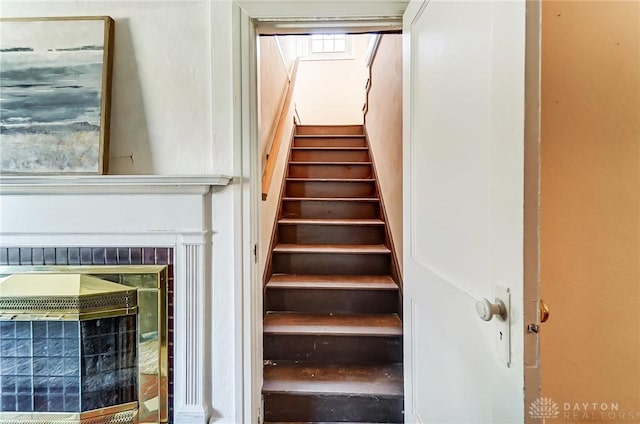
544, 311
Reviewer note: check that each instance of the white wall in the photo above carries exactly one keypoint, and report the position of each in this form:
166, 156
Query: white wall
333, 91
161, 100
289, 46
173, 108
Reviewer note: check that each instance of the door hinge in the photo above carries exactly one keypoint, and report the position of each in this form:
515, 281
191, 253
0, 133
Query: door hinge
255, 253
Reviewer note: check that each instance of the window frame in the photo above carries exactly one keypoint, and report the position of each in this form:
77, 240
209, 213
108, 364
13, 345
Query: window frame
305, 48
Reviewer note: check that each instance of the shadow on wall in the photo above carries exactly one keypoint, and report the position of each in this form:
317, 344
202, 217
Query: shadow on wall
130, 151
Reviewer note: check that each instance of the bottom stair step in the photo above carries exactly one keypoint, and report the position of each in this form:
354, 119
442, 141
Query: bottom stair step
313, 392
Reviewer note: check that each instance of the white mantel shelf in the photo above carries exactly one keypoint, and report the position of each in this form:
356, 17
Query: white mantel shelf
112, 184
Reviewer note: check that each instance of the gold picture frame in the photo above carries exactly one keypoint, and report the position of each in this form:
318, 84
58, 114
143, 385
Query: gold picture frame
56, 75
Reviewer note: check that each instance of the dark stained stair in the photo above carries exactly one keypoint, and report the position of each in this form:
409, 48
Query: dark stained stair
332, 327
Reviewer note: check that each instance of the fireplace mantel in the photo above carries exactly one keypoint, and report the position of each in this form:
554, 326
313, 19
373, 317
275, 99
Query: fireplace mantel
122, 184
139, 211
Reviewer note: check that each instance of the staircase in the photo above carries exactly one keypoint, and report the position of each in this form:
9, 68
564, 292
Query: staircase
332, 330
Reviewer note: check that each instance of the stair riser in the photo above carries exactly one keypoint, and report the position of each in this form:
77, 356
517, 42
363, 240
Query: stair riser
346, 349
331, 263
330, 171
315, 408
329, 130
329, 155
330, 189
329, 142
331, 234
330, 209
332, 301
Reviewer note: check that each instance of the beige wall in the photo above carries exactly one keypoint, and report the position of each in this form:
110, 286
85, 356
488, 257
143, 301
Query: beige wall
273, 80
590, 223
269, 207
289, 48
333, 91
273, 84
384, 126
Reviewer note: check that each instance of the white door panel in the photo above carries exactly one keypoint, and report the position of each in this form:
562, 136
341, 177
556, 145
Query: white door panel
463, 174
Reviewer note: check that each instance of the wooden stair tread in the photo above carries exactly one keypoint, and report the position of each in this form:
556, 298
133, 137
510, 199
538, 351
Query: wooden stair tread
330, 180
346, 282
321, 278
325, 128
332, 325
329, 148
332, 199
329, 135
348, 379
293, 162
332, 248
330, 221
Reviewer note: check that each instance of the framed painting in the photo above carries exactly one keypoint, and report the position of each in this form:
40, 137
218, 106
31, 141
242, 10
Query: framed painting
55, 95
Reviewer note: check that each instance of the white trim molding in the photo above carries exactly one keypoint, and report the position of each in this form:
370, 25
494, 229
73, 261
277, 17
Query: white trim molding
190, 366
251, 17
122, 184
149, 211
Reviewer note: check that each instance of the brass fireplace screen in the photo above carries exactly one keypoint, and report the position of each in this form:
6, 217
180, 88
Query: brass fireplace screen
153, 366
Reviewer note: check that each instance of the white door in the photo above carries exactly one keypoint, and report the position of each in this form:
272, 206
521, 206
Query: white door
463, 210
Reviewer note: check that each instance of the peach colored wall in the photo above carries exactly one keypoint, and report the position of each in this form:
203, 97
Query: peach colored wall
384, 126
273, 79
269, 207
273, 86
590, 214
333, 91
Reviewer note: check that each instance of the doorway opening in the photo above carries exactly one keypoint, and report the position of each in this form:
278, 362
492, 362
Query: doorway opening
425, 98
330, 146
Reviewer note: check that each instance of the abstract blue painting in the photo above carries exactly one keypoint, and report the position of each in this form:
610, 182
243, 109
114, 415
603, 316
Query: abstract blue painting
55, 79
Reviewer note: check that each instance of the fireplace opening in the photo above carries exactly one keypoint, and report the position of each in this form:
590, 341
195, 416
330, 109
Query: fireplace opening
154, 284
68, 349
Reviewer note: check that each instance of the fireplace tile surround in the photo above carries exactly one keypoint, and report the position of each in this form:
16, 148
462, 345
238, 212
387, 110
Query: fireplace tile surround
86, 224
86, 256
